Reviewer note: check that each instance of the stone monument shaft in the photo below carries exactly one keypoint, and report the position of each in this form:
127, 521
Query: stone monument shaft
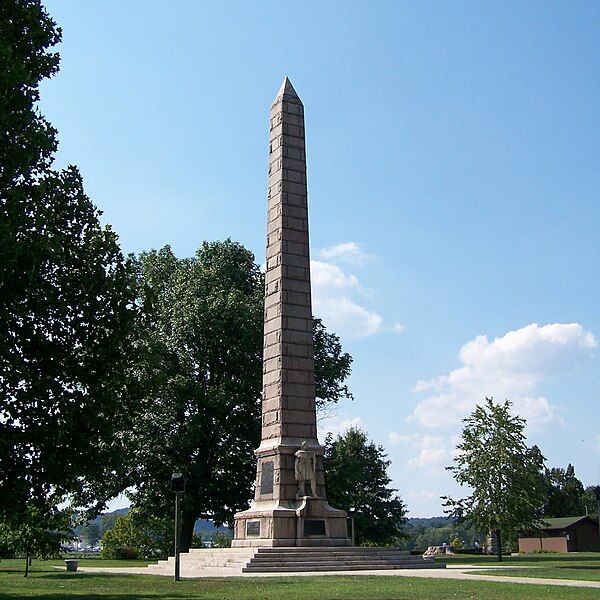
288, 369
289, 507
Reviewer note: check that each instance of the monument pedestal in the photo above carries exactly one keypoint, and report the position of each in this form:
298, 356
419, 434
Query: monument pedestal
308, 521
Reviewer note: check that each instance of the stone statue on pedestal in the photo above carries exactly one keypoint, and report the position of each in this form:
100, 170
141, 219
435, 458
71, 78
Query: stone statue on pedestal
306, 470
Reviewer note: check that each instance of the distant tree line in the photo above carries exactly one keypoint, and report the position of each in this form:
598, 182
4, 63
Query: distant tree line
436, 531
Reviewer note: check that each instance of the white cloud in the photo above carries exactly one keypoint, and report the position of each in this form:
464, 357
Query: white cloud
512, 366
433, 451
397, 328
537, 411
350, 252
326, 276
332, 301
347, 318
396, 438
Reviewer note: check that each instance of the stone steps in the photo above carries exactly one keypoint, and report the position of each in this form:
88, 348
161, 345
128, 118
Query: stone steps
334, 566
355, 558
272, 560
331, 549
292, 558
206, 562
213, 563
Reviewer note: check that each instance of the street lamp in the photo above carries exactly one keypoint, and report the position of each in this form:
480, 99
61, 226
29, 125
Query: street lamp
177, 486
351, 513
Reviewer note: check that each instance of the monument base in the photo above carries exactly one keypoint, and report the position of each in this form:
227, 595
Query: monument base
308, 521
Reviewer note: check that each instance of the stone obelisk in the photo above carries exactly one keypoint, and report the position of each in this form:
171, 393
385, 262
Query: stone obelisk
287, 509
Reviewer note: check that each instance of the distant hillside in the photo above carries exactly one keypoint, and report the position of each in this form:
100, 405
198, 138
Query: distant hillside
206, 527
429, 521
108, 518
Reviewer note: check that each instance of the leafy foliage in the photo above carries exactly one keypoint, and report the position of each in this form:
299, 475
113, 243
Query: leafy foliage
201, 415
133, 536
356, 477
91, 534
565, 493
66, 307
591, 500
502, 471
39, 534
435, 531
332, 367
202, 370
220, 540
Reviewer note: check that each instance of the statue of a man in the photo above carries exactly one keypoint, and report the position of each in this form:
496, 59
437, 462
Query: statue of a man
306, 469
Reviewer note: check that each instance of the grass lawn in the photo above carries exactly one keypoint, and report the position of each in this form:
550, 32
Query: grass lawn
522, 559
576, 565
48, 583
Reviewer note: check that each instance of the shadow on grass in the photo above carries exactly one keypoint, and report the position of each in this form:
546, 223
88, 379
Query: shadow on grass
580, 568
13, 571
59, 595
82, 575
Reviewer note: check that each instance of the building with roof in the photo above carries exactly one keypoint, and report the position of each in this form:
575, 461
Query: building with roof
564, 534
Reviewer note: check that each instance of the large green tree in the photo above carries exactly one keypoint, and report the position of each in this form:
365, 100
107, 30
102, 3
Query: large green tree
66, 305
564, 493
356, 478
503, 473
202, 369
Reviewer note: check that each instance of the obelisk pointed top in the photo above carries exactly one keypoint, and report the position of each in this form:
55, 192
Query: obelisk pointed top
287, 89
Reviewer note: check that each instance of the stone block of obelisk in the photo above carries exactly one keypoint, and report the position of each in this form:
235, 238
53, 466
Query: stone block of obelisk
290, 506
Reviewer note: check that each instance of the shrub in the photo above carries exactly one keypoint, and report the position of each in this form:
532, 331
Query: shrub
132, 537
125, 553
221, 540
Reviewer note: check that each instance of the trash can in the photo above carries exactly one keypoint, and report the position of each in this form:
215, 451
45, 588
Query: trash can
71, 564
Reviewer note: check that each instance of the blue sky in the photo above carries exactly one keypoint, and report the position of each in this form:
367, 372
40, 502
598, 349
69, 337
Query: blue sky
453, 153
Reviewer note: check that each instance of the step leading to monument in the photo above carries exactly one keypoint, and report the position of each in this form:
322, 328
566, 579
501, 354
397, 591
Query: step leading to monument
236, 561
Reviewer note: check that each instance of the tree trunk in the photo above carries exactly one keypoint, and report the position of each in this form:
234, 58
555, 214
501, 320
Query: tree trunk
188, 520
499, 544
27, 552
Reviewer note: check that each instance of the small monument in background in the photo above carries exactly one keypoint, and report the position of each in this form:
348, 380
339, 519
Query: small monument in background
290, 506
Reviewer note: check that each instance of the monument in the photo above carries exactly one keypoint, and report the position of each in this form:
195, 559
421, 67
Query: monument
289, 527
290, 506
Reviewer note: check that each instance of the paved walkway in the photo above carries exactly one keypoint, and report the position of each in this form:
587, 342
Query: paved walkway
452, 572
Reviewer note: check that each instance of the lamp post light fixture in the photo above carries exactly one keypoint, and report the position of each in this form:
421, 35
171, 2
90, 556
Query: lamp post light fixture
177, 486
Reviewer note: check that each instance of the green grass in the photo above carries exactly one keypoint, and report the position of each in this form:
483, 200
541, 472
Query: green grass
521, 559
585, 572
576, 565
48, 583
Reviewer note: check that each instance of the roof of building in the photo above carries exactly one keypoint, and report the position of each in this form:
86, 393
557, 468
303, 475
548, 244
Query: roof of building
562, 522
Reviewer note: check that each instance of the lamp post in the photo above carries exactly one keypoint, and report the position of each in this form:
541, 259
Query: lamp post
177, 486
351, 513
597, 492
